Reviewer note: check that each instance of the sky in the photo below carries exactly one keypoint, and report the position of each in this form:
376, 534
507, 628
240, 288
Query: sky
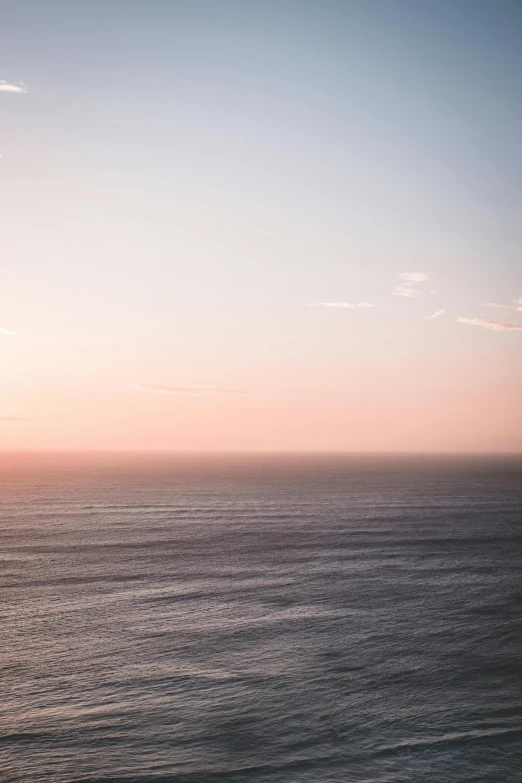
288, 225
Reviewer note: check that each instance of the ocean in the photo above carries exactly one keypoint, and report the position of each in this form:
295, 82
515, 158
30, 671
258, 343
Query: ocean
260, 619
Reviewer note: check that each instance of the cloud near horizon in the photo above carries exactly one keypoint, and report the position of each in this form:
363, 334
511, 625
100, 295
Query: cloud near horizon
487, 323
9, 87
414, 277
436, 314
153, 387
346, 305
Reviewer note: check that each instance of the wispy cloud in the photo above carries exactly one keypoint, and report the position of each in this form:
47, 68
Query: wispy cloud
14, 418
487, 323
408, 290
348, 305
5, 331
414, 277
518, 302
153, 387
436, 314
497, 306
9, 87
403, 290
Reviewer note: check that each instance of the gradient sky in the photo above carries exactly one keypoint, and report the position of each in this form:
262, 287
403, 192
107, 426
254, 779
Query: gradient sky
193, 191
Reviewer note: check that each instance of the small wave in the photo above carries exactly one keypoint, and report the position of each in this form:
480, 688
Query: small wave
236, 774
500, 735
461, 540
26, 736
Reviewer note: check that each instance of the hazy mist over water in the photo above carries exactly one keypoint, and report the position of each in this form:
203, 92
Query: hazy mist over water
269, 619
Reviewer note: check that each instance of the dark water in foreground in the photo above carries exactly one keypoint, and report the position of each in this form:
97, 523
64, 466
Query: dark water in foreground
261, 619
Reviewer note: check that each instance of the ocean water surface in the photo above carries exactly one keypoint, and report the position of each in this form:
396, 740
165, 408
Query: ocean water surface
262, 619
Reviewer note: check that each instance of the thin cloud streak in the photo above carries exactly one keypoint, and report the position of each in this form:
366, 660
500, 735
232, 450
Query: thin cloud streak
347, 305
436, 314
497, 306
14, 418
414, 277
8, 87
487, 323
402, 290
160, 389
5, 331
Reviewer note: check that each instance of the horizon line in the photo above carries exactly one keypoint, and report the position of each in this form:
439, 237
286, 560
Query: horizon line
268, 452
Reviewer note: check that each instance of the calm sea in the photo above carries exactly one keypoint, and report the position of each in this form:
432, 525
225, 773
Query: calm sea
260, 619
